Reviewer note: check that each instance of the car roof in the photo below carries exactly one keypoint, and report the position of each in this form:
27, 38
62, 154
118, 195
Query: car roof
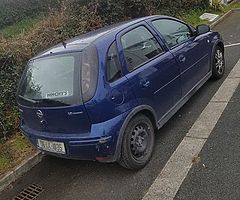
80, 42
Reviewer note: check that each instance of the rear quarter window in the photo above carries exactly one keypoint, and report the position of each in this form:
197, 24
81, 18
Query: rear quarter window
114, 71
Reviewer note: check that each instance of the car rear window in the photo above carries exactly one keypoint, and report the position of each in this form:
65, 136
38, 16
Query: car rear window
52, 81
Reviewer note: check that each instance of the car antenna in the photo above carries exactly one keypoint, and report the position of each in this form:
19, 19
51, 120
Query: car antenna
64, 44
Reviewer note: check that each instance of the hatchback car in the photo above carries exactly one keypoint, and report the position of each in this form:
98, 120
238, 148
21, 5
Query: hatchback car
102, 95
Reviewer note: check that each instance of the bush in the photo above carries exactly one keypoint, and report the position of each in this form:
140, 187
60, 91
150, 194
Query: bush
14, 53
112, 11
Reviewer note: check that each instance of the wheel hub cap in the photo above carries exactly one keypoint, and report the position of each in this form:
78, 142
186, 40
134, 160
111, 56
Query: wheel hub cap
219, 61
139, 141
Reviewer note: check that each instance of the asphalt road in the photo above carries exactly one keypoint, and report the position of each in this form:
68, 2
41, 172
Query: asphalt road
216, 176
67, 179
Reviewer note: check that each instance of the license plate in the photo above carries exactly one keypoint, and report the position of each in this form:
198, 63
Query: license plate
54, 147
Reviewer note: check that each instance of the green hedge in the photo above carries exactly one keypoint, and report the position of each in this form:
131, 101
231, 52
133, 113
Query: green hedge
104, 12
73, 17
113, 11
12, 11
14, 53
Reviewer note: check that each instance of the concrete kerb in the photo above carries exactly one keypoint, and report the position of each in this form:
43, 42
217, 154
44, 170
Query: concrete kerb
25, 166
215, 23
221, 19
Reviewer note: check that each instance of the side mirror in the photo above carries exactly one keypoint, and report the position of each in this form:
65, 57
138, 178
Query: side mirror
202, 29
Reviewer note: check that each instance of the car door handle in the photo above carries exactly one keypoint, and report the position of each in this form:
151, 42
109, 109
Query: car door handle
145, 83
182, 58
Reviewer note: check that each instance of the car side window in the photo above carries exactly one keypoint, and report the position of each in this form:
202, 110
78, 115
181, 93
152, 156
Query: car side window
139, 46
174, 32
114, 71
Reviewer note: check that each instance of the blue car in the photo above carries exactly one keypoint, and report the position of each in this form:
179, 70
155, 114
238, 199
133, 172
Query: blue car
102, 95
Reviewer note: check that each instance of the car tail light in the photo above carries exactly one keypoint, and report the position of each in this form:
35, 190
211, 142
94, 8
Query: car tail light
89, 74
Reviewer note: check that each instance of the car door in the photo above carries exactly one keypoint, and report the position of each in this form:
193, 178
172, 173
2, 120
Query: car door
152, 72
191, 52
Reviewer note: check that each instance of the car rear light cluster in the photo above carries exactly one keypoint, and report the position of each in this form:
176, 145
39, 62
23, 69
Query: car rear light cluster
89, 74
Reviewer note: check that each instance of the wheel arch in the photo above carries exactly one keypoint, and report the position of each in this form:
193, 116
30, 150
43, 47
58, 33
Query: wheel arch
221, 45
143, 109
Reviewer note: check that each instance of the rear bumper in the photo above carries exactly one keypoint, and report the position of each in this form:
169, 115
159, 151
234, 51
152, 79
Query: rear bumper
99, 144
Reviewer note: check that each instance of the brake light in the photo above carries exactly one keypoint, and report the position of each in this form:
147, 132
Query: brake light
89, 74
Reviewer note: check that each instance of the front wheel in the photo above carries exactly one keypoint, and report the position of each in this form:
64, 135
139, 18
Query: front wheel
138, 143
218, 64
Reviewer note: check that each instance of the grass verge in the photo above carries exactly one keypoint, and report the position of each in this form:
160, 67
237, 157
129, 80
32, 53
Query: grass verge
13, 152
231, 6
193, 16
22, 26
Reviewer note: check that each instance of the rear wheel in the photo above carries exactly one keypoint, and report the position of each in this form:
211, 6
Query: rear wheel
218, 65
138, 143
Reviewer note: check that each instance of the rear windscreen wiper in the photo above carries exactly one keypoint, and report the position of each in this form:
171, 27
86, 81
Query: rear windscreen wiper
51, 101
27, 99
39, 102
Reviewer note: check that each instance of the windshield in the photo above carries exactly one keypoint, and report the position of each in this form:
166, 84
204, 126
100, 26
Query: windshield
51, 81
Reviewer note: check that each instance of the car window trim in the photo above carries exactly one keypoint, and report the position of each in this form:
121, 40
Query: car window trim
176, 20
177, 45
139, 66
148, 61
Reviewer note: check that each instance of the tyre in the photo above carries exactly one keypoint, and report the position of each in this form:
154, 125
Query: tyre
138, 143
218, 63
